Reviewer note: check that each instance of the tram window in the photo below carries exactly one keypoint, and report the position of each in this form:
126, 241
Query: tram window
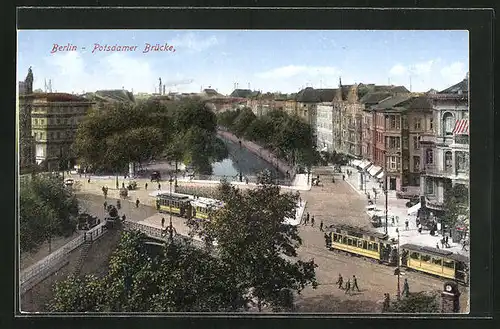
370, 246
372, 238
375, 247
335, 237
425, 258
448, 263
460, 266
344, 240
365, 245
414, 255
437, 261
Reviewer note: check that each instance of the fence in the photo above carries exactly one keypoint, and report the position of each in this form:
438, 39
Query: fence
37, 272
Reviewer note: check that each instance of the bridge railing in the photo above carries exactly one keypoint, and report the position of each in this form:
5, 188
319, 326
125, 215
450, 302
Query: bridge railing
41, 269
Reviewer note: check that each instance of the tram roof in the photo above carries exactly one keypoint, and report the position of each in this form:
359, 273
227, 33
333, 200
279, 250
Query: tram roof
436, 252
173, 195
378, 235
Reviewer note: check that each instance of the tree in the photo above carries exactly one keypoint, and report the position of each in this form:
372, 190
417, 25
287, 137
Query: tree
419, 302
456, 205
47, 209
259, 248
175, 277
242, 121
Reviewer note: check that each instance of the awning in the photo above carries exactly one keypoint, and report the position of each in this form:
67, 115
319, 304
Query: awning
413, 210
374, 170
380, 175
365, 164
461, 127
356, 163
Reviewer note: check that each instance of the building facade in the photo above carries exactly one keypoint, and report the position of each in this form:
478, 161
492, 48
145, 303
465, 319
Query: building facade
26, 146
324, 127
445, 154
55, 119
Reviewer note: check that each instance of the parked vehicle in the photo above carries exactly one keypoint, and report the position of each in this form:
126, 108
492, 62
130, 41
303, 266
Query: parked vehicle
86, 221
408, 192
155, 176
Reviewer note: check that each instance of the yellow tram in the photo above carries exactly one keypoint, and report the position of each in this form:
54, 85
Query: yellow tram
185, 205
203, 207
442, 263
377, 246
361, 242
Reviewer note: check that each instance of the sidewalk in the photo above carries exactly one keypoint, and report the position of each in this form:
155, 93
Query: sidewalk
397, 207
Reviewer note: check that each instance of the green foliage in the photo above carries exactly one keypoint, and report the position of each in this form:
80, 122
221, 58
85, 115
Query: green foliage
456, 204
47, 209
177, 277
286, 135
256, 244
419, 302
109, 139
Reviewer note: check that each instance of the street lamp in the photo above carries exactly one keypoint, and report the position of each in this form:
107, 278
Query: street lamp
171, 180
397, 269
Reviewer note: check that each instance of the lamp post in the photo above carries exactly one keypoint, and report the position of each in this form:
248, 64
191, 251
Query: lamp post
398, 270
171, 180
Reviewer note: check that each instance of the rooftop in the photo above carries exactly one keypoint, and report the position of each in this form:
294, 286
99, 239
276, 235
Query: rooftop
459, 88
56, 97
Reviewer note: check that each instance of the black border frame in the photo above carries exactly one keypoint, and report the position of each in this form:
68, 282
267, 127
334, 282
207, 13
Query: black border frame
480, 26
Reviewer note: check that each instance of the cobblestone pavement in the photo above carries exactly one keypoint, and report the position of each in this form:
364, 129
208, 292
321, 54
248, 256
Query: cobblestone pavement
333, 203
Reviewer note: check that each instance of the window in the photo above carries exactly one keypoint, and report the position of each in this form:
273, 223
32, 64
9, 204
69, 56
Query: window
51, 134
429, 156
414, 255
58, 134
448, 123
425, 258
405, 164
416, 143
437, 261
417, 123
405, 123
429, 186
36, 121
416, 164
462, 161
448, 263
392, 162
42, 121
448, 160
431, 124
58, 121
394, 142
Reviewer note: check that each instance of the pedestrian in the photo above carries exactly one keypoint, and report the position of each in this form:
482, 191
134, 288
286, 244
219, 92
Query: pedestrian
123, 185
123, 217
105, 205
246, 180
406, 288
88, 180
340, 281
355, 283
397, 220
118, 204
437, 245
406, 224
312, 220
387, 303
159, 186
146, 186
442, 243
348, 286
307, 218
392, 220
137, 203
162, 221
420, 228
446, 242
343, 177
321, 225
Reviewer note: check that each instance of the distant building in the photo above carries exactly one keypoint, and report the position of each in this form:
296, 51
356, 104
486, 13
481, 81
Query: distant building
54, 120
101, 98
26, 147
243, 93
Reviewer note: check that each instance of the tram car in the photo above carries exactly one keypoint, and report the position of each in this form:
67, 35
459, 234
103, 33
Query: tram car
438, 262
113, 218
86, 221
357, 241
202, 207
178, 204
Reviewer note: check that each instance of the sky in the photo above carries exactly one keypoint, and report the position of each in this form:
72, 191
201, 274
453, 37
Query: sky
272, 61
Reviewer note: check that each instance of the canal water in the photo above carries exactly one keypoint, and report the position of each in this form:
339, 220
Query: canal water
239, 160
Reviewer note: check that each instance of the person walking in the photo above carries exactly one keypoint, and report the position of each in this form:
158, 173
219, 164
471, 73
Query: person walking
387, 303
340, 281
88, 180
437, 245
159, 186
162, 221
407, 224
321, 225
146, 186
343, 177
312, 220
348, 287
137, 203
105, 205
446, 242
355, 283
307, 219
124, 217
406, 288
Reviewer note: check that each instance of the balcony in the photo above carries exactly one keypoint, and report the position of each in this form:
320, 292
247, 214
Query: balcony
433, 203
427, 139
433, 170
